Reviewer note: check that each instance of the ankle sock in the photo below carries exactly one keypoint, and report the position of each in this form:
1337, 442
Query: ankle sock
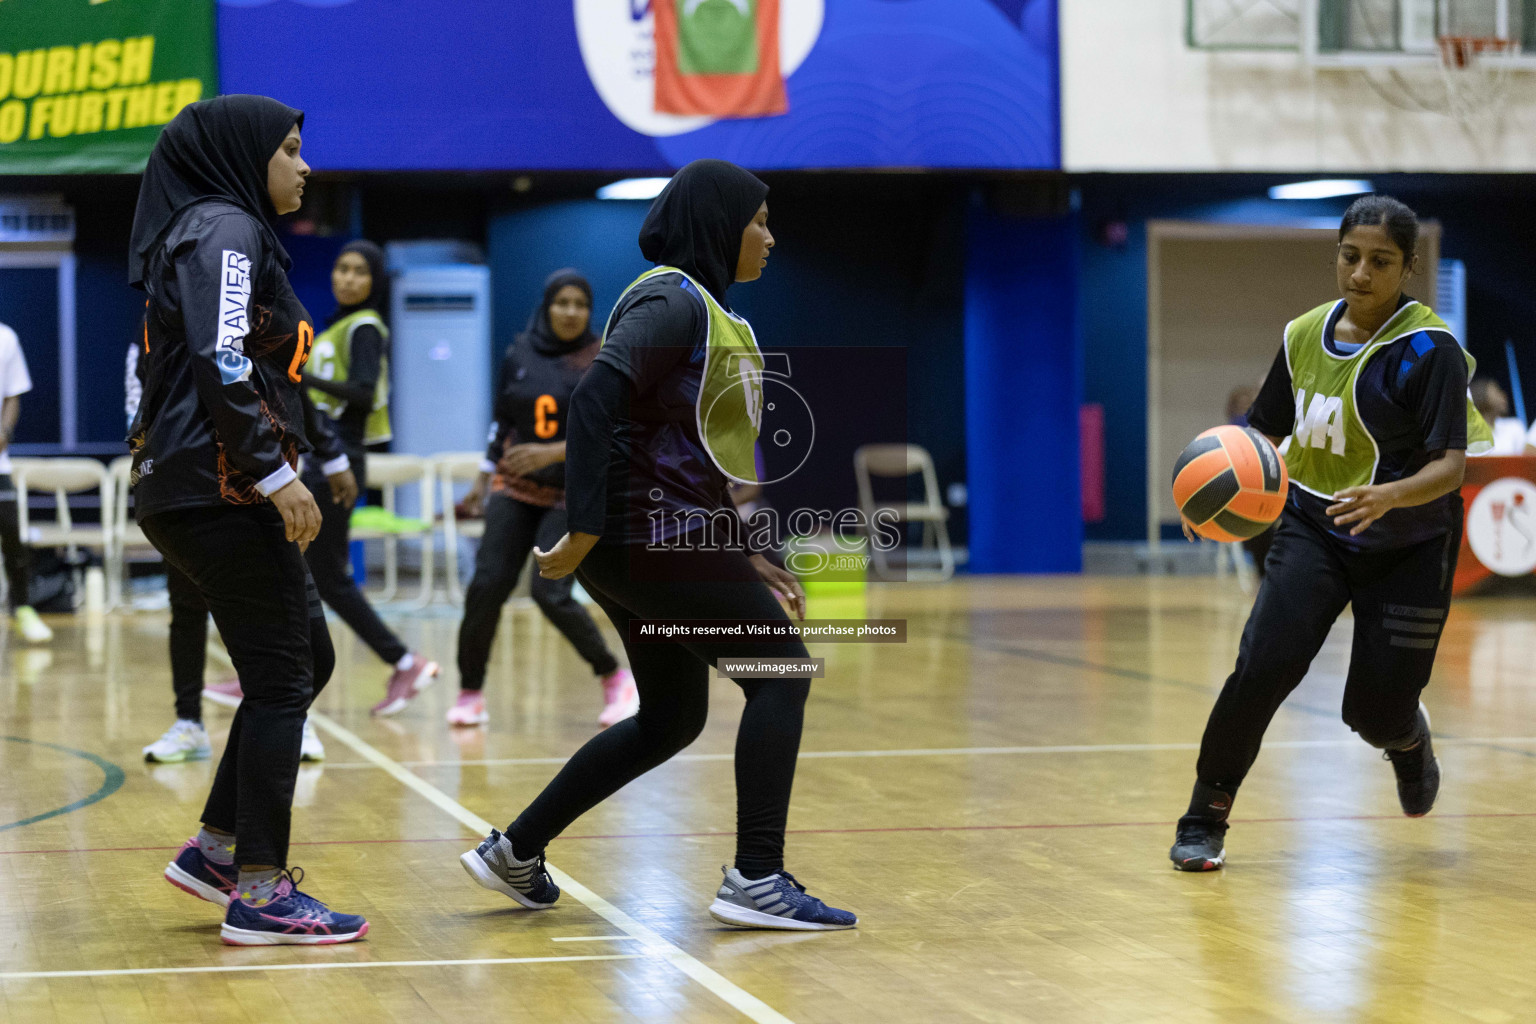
406, 663
257, 887
217, 847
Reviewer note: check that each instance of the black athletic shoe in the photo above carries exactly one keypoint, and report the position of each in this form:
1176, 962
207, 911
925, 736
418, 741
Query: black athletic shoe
1418, 772
1200, 844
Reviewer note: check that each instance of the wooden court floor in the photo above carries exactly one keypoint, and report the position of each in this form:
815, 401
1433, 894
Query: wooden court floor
994, 799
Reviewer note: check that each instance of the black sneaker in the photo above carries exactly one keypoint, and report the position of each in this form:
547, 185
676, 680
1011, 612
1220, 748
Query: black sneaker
1200, 843
1418, 772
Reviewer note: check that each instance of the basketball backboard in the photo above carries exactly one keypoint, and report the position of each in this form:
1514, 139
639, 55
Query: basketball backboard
1361, 33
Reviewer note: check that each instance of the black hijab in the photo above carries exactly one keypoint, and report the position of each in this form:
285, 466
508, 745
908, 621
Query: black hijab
539, 330
696, 223
377, 298
213, 149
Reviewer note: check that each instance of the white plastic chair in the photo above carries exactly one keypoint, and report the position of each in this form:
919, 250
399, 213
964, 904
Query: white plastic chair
62, 477
900, 461
455, 468
127, 533
389, 473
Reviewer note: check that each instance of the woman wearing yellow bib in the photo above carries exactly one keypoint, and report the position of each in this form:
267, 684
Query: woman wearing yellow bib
1370, 393
664, 420
348, 379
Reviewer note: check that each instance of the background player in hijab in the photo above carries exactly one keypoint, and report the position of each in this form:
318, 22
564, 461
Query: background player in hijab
15, 382
348, 381
218, 435
1372, 389
524, 473
635, 449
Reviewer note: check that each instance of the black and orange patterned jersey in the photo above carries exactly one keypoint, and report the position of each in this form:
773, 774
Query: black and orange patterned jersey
533, 399
222, 419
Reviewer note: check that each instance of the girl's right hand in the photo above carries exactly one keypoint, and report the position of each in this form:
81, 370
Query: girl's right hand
301, 516
1189, 531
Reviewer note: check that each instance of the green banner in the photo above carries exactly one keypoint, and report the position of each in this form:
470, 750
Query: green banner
86, 84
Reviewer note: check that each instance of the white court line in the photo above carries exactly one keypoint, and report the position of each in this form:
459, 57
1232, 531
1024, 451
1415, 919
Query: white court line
595, 938
322, 966
738, 998
812, 755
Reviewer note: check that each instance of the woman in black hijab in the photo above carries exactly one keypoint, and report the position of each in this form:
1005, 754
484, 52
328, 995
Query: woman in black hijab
661, 424
524, 474
216, 440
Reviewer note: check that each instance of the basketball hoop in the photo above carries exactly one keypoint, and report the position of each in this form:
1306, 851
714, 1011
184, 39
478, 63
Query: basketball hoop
1466, 52
1475, 70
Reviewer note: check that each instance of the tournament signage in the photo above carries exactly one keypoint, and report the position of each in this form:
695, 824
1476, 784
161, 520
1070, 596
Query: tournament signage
1500, 535
630, 85
86, 84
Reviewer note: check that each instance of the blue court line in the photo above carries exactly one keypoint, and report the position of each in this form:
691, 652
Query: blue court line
111, 782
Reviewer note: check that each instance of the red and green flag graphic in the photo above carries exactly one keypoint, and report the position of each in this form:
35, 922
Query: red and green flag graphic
718, 58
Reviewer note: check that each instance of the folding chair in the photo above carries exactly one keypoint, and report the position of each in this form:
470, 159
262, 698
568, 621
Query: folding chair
901, 461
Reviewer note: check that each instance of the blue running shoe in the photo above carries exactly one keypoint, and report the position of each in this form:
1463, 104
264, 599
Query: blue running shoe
194, 873
526, 881
778, 901
289, 918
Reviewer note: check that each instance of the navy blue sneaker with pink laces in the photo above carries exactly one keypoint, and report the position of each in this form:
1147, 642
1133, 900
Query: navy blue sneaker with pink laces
288, 918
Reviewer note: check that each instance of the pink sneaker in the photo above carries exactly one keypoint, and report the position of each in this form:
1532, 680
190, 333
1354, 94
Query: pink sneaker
620, 698
469, 709
227, 693
404, 684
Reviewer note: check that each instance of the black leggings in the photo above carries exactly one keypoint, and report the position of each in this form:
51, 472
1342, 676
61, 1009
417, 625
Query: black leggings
1400, 598
267, 610
630, 582
189, 643
512, 528
328, 560
17, 556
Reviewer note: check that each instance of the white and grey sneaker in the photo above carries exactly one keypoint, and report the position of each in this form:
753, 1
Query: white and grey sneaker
777, 901
312, 749
184, 741
527, 881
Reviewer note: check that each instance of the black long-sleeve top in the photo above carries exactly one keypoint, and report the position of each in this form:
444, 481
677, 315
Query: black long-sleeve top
222, 420
634, 461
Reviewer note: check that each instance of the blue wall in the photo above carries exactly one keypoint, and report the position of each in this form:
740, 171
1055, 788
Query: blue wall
1023, 360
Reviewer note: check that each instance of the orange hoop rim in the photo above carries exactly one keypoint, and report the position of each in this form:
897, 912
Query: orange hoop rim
1459, 51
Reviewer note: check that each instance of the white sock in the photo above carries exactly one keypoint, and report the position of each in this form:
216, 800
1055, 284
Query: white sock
405, 663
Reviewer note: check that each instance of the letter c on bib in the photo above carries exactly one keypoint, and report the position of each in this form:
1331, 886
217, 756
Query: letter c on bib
544, 423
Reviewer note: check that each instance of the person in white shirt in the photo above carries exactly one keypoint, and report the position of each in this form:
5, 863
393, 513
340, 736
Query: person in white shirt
15, 382
1510, 435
